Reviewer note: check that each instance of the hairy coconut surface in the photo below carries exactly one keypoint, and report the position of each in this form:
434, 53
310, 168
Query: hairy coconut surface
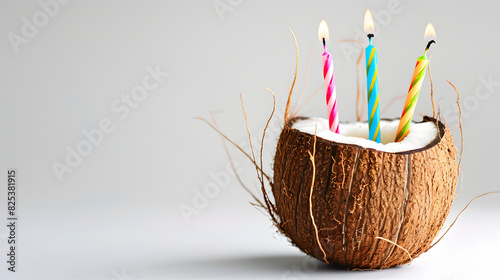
363, 194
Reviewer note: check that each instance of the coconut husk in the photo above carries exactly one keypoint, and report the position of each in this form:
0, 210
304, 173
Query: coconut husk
361, 196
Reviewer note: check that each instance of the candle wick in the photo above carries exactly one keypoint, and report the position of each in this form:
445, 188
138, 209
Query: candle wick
370, 36
324, 42
429, 44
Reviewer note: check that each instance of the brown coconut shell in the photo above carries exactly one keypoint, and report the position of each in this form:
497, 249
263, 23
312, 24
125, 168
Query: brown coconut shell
360, 194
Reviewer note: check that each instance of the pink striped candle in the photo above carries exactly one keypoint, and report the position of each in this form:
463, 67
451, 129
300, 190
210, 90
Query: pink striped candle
329, 76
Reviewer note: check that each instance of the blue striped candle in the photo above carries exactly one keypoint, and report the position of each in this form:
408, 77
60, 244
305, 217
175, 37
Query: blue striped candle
372, 83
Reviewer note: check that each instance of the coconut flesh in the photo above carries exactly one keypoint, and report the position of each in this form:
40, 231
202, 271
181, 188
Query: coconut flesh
421, 134
361, 198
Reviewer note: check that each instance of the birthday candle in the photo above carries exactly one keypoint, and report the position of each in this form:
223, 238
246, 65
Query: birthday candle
372, 81
329, 76
416, 83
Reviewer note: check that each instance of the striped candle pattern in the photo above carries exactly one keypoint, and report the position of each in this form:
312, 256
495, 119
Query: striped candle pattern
412, 97
331, 93
372, 90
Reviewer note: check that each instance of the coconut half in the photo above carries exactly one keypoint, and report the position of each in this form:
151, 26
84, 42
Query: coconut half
366, 197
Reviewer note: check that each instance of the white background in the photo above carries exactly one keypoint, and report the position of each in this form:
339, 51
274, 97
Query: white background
116, 214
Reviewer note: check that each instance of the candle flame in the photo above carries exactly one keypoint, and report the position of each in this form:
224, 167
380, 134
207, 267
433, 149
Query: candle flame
369, 25
323, 31
430, 33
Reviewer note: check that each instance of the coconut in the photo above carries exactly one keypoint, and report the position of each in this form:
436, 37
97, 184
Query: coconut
344, 199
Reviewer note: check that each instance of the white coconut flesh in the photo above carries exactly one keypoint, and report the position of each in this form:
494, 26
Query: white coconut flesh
420, 135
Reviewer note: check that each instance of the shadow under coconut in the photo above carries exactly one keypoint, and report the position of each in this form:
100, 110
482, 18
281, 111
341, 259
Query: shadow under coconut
261, 263
284, 266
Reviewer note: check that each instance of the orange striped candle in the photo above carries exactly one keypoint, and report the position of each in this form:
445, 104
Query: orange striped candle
416, 83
